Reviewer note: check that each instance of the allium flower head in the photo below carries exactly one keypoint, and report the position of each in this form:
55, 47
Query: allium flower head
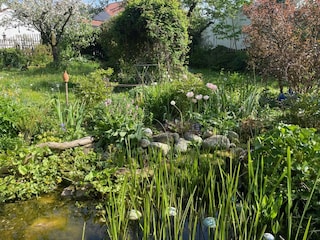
206, 97
108, 102
199, 97
212, 86
190, 94
173, 103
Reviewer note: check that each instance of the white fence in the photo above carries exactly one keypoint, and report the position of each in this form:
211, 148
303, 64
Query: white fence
20, 41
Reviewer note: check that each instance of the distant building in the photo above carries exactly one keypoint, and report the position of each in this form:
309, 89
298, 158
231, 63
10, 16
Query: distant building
232, 37
13, 33
109, 11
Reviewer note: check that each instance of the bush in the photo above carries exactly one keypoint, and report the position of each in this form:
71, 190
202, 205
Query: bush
156, 99
153, 32
219, 58
10, 114
12, 58
304, 146
95, 87
42, 55
303, 110
118, 121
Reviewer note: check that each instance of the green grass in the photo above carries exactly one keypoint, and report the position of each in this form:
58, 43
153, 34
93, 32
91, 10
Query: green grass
39, 84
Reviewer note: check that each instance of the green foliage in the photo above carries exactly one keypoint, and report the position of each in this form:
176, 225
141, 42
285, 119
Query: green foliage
78, 38
41, 55
95, 87
147, 32
155, 99
30, 173
12, 58
304, 144
219, 58
10, 143
303, 110
71, 119
10, 114
119, 122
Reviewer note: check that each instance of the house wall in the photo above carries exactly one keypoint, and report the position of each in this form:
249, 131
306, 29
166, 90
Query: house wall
14, 34
211, 39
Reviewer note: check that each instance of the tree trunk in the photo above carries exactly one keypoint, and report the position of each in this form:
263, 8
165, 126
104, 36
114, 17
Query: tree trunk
86, 141
55, 53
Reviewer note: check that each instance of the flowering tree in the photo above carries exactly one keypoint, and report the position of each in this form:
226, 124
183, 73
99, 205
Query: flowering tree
283, 40
50, 18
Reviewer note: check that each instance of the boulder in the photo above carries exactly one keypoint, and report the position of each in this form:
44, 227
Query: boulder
181, 146
147, 132
166, 137
216, 142
165, 148
193, 137
144, 143
233, 137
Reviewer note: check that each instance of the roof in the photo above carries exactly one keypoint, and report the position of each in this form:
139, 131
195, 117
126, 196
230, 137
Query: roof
109, 11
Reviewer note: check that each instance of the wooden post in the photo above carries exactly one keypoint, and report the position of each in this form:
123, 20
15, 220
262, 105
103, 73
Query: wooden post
66, 80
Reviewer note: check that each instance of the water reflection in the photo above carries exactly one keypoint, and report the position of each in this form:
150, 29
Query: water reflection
49, 217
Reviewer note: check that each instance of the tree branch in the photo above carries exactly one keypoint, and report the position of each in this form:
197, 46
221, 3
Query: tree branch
65, 145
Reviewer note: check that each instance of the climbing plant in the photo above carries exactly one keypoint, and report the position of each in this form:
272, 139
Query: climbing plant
148, 31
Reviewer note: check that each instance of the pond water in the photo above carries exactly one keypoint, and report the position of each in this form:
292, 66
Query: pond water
50, 217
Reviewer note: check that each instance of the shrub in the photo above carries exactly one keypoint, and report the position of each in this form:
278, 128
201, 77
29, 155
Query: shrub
10, 114
303, 110
283, 41
41, 55
219, 58
155, 99
95, 87
148, 32
117, 121
12, 57
304, 144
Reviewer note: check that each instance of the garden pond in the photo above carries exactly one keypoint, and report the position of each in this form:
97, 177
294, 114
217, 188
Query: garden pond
50, 217
53, 217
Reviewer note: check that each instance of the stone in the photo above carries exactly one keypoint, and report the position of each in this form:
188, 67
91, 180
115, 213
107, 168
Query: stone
209, 222
144, 143
165, 148
134, 214
193, 137
181, 146
147, 132
166, 137
207, 134
76, 192
268, 236
233, 137
216, 142
171, 211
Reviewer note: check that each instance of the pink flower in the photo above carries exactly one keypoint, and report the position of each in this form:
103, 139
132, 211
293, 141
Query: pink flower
206, 97
212, 86
190, 94
108, 102
194, 100
199, 97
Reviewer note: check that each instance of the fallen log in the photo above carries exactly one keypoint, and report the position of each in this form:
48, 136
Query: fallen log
85, 141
